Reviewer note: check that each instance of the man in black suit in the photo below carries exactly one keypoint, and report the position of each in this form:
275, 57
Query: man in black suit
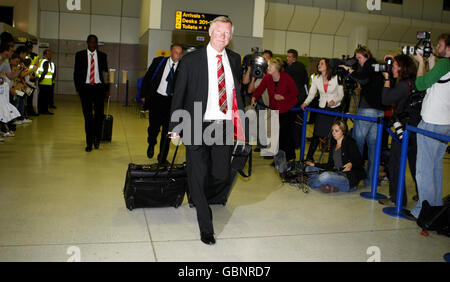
89, 76
298, 73
206, 87
157, 91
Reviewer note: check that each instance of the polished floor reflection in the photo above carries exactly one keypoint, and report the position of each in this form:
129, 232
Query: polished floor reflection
60, 203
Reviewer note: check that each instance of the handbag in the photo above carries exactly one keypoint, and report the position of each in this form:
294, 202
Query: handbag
242, 153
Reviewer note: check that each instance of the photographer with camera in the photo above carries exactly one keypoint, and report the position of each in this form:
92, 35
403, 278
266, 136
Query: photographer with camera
435, 118
369, 105
256, 70
331, 94
404, 70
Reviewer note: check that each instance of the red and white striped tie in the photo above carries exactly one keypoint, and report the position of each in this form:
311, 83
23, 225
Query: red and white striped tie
223, 104
92, 73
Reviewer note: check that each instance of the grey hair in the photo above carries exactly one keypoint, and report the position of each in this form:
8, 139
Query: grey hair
222, 19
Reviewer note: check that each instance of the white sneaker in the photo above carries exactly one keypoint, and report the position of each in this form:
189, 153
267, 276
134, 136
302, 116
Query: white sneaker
2, 140
18, 122
27, 121
8, 134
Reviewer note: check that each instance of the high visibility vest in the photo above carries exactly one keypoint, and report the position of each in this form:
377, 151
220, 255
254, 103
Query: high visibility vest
34, 61
48, 80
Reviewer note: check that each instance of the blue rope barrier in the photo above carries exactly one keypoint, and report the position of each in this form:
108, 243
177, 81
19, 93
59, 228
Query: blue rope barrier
441, 137
397, 210
373, 195
371, 119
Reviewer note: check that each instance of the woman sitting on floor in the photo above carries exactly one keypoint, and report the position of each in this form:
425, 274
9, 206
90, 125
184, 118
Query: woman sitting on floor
344, 169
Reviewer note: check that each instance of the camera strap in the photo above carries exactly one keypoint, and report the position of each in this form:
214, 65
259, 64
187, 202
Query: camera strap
443, 81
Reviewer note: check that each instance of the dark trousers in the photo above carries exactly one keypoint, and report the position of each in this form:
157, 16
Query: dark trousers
44, 94
30, 108
394, 165
51, 97
159, 117
208, 171
92, 102
286, 139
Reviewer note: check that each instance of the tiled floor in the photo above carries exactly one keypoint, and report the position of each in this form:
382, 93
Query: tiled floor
59, 203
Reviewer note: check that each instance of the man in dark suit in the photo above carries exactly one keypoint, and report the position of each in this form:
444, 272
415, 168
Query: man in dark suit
157, 91
206, 87
89, 76
298, 73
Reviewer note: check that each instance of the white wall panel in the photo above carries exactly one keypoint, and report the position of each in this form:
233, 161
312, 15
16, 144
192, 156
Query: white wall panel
85, 7
107, 7
131, 8
68, 22
130, 30
413, 8
49, 26
340, 46
279, 16
321, 45
275, 40
49, 5
107, 28
389, 9
299, 41
432, 10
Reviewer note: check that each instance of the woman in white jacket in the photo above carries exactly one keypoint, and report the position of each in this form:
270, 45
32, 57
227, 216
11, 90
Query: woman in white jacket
331, 94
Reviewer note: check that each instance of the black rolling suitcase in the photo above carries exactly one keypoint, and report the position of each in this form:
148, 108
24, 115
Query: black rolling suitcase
107, 126
153, 186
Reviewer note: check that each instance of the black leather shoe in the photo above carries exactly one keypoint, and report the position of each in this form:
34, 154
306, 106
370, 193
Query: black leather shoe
52, 107
150, 151
207, 238
88, 149
164, 163
97, 145
408, 215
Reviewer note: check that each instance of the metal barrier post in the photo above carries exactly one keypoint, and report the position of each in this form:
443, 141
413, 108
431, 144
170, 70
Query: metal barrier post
397, 211
303, 142
373, 195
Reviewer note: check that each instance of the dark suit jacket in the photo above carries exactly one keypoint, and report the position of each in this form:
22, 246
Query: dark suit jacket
149, 86
299, 74
81, 68
192, 86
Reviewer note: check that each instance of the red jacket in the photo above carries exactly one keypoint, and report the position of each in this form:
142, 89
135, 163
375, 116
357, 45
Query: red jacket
286, 87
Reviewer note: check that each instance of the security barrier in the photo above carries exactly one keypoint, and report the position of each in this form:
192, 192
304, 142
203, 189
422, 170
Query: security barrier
397, 210
373, 195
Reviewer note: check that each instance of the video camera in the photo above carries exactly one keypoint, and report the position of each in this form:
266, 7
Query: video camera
343, 74
423, 47
386, 67
257, 63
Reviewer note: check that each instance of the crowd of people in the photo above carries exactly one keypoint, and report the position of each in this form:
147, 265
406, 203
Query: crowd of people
22, 75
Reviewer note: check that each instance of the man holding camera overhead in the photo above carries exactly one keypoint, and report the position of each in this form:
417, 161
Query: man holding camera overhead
435, 118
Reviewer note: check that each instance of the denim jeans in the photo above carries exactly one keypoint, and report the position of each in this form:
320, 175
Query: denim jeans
430, 154
323, 177
366, 131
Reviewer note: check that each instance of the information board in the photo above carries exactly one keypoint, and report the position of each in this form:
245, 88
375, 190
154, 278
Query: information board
193, 21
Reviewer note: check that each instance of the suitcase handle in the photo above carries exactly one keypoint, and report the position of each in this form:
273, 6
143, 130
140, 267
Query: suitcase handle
167, 143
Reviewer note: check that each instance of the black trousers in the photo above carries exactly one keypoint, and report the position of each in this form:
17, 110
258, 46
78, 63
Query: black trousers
93, 102
394, 166
43, 98
208, 171
51, 97
286, 138
30, 109
159, 117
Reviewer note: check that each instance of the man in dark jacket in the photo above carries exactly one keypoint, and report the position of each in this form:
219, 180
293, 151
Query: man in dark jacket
89, 76
157, 91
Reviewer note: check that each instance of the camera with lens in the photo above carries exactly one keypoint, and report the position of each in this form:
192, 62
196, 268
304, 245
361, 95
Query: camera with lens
423, 47
257, 63
343, 74
386, 67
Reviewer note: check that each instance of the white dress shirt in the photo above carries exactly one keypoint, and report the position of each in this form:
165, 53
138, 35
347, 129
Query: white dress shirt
97, 73
163, 84
213, 111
